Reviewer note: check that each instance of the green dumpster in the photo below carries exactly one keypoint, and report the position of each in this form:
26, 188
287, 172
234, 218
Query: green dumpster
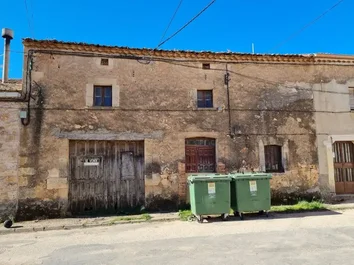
209, 195
250, 193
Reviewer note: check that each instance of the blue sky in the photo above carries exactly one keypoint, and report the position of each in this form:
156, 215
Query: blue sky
227, 25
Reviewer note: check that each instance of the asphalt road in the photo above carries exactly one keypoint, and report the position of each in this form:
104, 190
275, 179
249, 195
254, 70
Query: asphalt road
321, 238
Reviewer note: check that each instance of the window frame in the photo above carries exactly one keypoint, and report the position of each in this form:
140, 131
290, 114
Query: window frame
104, 61
198, 152
351, 98
204, 99
103, 95
206, 66
273, 155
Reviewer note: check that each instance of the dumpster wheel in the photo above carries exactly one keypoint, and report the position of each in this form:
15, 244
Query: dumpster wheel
241, 215
191, 218
199, 219
264, 212
224, 216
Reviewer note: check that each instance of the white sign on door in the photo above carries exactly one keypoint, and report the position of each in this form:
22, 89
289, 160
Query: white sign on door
91, 161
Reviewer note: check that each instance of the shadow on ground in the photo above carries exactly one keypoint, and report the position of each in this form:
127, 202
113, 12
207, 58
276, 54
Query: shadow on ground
272, 215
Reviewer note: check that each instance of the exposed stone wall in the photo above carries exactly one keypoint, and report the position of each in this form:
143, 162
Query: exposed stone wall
156, 102
9, 148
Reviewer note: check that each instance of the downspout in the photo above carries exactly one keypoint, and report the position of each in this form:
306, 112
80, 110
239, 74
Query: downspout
26, 122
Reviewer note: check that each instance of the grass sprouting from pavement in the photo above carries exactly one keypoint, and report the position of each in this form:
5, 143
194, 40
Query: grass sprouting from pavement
300, 207
144, 217
185, 215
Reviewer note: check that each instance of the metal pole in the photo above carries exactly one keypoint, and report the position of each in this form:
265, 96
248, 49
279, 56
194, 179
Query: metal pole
5, 65
8, 35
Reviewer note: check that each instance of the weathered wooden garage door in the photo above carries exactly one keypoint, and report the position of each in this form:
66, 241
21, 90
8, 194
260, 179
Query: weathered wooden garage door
344, 167
105, 176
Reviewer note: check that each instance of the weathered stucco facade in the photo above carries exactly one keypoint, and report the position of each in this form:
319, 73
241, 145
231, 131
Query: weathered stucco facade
334, 121
154, 101
9, 149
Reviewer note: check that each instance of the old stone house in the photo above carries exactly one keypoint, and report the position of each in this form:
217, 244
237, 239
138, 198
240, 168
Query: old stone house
111, 128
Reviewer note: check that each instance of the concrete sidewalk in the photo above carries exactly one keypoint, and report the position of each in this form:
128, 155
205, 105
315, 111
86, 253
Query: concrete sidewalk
73, 223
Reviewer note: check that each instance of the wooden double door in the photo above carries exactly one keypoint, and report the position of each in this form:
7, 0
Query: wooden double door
106, 176
344, 167
200, 155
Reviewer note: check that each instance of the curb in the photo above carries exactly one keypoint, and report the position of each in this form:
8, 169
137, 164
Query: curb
81, 226
156, 220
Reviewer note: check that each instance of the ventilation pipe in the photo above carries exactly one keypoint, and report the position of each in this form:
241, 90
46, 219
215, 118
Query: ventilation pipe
8, 35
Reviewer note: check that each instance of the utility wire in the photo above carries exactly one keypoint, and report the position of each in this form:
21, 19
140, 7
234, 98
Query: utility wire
267, 110
189, 22
31, 2
15, 52
169, 24
296, 33
29, 19
306, 26
183, 64
257, 79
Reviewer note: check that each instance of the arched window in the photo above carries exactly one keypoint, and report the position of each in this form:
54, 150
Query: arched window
200, 155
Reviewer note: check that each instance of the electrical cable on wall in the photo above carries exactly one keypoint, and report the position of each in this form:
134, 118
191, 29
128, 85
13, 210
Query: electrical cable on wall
180, 63
26, 122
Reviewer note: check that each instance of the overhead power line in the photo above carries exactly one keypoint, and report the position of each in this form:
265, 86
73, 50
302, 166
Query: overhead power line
186, 25
292, 36
169, 24
306, 26
29, 19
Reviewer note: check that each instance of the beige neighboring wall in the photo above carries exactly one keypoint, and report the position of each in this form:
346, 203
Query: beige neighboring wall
334, 120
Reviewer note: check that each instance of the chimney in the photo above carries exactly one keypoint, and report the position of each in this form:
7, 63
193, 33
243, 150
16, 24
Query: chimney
8, 35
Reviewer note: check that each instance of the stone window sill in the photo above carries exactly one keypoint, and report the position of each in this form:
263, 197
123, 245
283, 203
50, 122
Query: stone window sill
102, 108
207, 109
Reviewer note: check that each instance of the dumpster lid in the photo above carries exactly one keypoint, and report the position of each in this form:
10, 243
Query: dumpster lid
211, 177
251, 176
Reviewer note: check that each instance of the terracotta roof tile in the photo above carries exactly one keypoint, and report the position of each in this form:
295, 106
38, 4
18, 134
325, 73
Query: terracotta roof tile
183, 54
